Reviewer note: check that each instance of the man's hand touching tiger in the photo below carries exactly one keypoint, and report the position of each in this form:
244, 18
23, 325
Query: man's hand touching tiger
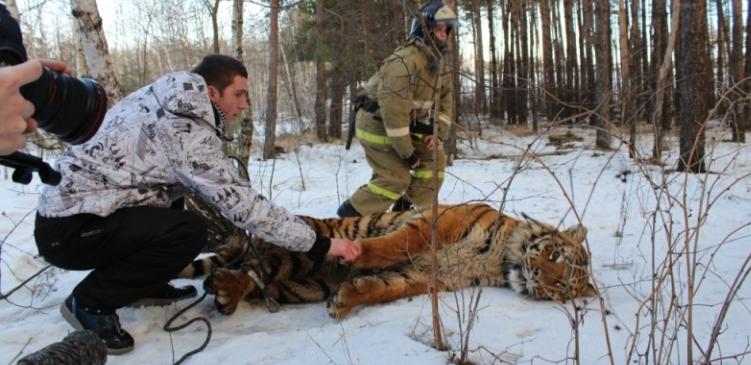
346, 250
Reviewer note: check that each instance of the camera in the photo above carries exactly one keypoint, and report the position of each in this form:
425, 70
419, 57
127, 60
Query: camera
70, 108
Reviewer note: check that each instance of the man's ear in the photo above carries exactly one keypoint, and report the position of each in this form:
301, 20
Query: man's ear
213, 93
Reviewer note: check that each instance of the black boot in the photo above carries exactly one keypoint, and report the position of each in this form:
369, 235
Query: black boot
166, 295
401, 205
347, 210
105, 323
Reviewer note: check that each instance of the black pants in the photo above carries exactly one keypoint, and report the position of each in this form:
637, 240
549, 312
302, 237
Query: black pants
133, 252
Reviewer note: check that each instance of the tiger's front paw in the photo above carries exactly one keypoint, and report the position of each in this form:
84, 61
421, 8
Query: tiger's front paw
345, 298
229, 288
337, 304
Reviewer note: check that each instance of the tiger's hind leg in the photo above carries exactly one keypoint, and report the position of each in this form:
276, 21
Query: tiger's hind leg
381, 288
225, 255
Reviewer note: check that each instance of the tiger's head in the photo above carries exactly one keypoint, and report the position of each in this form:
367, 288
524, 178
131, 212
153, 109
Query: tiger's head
552, 264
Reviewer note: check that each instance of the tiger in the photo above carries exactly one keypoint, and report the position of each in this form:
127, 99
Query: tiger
475, 244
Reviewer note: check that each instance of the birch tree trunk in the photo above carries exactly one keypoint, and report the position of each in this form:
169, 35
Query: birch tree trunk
270, 140
95, 47
245, 139
13, 10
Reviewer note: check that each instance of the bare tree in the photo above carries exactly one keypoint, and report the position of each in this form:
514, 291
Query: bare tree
320, 104
692, 66
663, 82
625, 70
95, 47
213, 8
604, 72
495, 110
547, 58
736, 75
268, 146
588, 42
571, 67
480, 98
722, 39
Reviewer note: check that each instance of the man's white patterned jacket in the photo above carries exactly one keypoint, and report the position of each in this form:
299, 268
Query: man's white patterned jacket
153, 147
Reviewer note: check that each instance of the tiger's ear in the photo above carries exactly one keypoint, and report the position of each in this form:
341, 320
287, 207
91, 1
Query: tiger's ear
577, 233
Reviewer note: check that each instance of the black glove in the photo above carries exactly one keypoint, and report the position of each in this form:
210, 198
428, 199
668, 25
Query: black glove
412, 161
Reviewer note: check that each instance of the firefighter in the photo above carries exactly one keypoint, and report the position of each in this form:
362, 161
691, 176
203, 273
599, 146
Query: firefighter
395, 120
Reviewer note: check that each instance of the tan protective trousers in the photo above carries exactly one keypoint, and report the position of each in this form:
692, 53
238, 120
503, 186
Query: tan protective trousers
392, 178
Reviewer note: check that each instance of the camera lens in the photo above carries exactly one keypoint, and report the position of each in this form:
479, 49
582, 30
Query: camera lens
70, 108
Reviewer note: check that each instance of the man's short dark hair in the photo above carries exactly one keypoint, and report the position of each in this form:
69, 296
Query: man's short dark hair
219, 70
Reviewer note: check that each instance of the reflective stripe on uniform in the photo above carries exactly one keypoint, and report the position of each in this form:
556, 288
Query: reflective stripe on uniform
426, 174
419, 104
372, 138
397, 132
375, 189
444, 118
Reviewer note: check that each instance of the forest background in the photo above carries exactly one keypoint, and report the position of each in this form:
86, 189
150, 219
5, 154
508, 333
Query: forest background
603, 62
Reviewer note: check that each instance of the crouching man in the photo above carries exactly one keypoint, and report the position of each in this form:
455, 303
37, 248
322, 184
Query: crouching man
118, 209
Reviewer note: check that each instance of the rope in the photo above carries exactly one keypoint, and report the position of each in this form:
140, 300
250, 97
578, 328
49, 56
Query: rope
271, 304
169, 328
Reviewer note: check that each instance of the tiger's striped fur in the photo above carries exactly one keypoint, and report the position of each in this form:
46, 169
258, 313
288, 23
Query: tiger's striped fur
476, 246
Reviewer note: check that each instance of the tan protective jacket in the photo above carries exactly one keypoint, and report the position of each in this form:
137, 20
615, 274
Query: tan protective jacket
405, 87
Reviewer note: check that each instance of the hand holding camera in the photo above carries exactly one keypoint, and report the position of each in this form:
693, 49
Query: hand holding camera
39, 92
15, 110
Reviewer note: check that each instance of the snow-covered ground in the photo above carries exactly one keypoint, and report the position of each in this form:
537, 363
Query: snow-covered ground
607, 190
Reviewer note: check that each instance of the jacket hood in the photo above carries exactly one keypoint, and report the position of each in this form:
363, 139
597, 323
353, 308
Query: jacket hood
185, 94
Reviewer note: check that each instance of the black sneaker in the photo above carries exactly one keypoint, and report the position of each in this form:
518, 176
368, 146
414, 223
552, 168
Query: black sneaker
166, 295
106, 324
347, 210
